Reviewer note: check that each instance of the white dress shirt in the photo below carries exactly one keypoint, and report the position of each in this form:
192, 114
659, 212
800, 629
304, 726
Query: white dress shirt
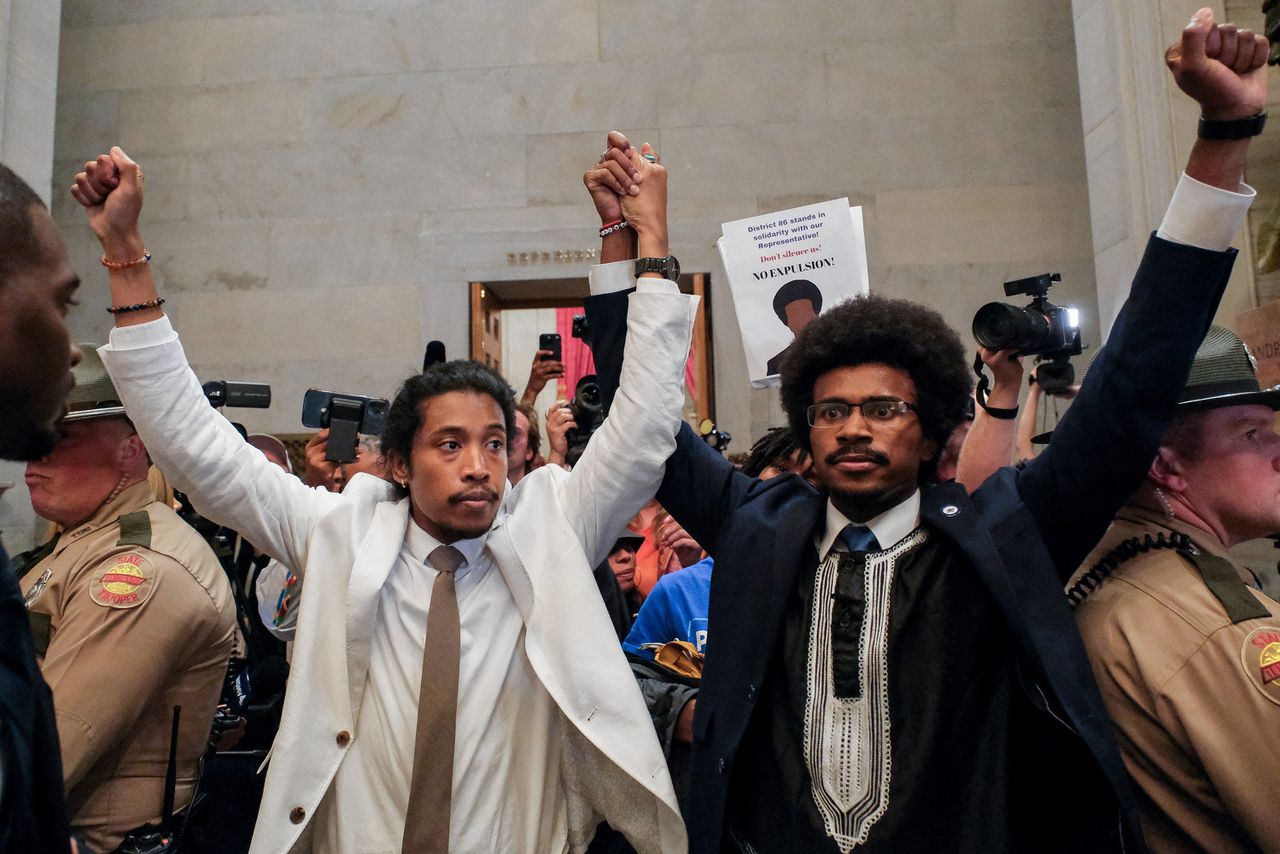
506, 767
889, 527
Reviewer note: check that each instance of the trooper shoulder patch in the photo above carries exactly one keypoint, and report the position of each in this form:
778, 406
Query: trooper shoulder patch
125, 582
1260, 656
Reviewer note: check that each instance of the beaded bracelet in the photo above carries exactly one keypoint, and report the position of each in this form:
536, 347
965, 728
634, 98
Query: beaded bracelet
124, 265
611, 227
123, 309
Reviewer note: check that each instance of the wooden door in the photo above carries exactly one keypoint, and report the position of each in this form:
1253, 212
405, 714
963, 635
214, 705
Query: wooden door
486, 326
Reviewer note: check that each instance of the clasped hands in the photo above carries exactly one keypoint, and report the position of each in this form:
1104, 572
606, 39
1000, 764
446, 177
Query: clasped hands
625, 184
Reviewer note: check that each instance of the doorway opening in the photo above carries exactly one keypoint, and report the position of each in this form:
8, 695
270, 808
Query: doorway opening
508, 316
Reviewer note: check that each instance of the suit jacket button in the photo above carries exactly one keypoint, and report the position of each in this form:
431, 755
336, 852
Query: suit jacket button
723, 766
751, 691
344, 738
297, 814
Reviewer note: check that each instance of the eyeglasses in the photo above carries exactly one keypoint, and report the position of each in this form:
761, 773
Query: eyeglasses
881, 411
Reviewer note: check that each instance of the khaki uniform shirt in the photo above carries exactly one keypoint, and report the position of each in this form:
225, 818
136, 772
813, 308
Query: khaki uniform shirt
127, 632
1194, 696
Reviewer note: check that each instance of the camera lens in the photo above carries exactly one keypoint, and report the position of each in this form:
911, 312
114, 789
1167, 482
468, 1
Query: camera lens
587, 394
1000, 326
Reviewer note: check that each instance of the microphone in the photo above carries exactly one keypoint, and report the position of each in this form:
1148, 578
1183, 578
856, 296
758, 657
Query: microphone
254, 689
434, 355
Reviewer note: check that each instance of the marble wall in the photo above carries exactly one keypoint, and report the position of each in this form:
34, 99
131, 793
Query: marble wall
325, 178
29, 34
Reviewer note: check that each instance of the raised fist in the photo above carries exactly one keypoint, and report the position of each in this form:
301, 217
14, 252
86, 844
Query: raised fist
1223, 68
110, 188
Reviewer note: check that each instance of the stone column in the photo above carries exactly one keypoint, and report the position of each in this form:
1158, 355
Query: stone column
1138, 129
29, 31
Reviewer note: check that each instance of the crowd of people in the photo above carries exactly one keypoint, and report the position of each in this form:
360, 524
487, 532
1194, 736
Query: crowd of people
871, 632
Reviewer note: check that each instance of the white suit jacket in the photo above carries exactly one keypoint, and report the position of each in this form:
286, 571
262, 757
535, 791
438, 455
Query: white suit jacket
550, 531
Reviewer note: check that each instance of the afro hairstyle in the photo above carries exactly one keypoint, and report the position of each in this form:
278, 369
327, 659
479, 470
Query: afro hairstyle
796, 289
894, 332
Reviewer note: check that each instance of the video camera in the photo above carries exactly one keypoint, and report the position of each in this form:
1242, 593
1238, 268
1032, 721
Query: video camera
346, 416
222, 393
1041, 329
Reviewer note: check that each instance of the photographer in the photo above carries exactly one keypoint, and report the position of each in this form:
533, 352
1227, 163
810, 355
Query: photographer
541, 372
987, 447
526, 442
334, 476
559, 423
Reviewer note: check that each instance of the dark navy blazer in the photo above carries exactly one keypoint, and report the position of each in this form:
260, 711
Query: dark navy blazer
1024, 532
33, 813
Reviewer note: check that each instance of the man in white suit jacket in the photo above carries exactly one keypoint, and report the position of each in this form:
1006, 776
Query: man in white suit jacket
594, 733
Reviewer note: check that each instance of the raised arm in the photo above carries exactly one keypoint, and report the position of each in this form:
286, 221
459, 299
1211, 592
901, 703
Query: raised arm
607, 182
623, 463
695, 471
989, 445
1103, 445
228, 481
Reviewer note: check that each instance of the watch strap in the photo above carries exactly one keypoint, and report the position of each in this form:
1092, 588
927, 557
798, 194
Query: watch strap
669, 267
1233, 129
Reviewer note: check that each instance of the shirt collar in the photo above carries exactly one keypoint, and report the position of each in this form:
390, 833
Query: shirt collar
421, 544
889, 527
132, 498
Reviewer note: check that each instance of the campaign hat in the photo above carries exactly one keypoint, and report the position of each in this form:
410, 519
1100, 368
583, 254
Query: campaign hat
1224, 373
94, 395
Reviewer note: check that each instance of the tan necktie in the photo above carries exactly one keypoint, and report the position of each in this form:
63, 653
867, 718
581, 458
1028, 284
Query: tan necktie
426, 824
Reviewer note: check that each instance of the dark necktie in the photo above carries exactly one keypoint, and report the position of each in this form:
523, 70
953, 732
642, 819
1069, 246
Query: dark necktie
858, 538
426, 825
849, 608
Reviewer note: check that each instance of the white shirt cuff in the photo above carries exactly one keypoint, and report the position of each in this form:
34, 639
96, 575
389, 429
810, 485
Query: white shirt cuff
1205, 216
615, 276
149, 334
621, 276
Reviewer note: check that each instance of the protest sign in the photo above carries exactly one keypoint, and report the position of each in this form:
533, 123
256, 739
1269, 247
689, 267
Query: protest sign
784, 269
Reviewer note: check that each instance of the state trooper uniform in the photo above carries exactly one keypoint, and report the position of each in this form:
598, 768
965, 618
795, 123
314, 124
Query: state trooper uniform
132, 616
1186, 651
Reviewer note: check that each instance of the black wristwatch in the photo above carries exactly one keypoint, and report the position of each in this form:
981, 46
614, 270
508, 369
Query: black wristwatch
1234, 129
669, 267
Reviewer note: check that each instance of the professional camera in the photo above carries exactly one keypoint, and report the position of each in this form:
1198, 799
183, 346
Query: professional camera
580, 328
588, 411
1040, 329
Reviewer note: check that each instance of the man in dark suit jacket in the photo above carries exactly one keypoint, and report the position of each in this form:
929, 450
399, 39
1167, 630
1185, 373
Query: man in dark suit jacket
898, 670
36, 287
